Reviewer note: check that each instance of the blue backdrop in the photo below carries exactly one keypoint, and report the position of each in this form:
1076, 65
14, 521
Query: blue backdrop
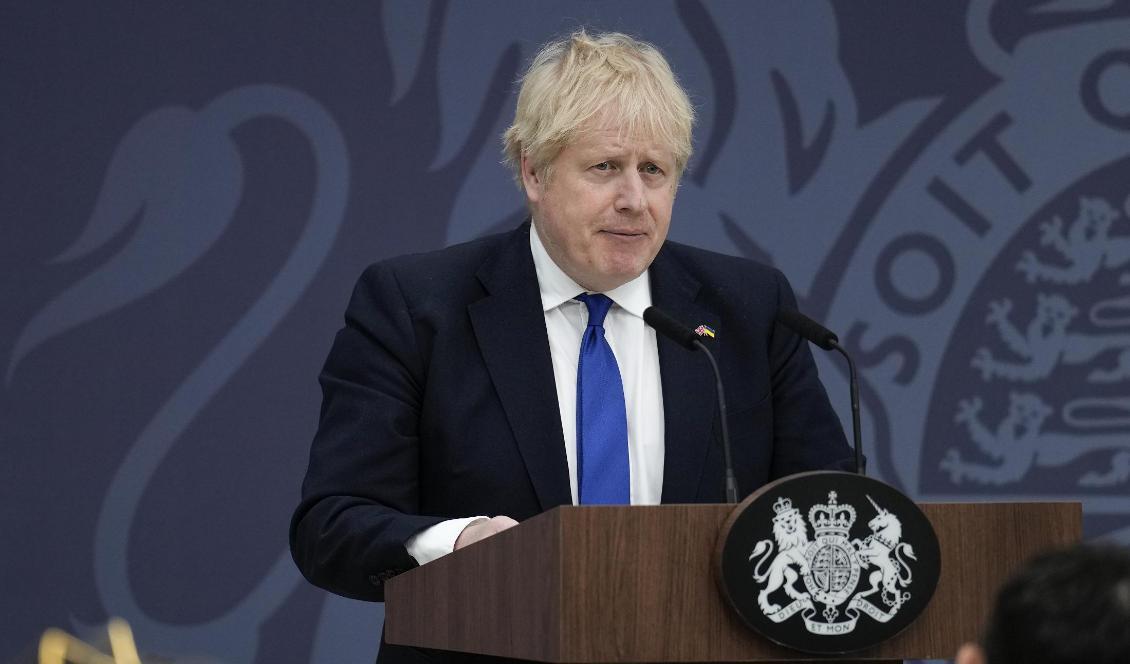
190, 190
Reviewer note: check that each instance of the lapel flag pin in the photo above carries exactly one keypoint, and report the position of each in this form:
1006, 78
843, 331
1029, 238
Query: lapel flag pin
704, 331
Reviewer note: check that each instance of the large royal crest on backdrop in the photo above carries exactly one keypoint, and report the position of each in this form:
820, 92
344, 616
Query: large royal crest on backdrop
828, 562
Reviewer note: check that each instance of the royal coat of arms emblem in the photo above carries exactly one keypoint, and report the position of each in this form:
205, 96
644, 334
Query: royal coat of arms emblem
831, 565
830, 562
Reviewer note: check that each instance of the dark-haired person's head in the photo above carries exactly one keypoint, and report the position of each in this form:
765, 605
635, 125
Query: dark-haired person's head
1066, 607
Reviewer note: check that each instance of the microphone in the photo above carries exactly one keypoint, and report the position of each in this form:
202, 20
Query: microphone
810, 330
674, 330
684, 335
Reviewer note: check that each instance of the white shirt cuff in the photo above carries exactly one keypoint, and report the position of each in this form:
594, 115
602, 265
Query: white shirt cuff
438, 540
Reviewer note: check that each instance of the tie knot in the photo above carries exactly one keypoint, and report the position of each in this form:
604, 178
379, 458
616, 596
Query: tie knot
598, 305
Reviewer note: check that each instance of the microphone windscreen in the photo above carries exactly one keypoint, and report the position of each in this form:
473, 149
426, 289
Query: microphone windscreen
670, 328
807, 328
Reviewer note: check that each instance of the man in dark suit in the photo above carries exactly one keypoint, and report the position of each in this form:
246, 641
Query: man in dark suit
453, 403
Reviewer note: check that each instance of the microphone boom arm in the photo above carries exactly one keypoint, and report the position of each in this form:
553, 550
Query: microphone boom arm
731, 480
853, 380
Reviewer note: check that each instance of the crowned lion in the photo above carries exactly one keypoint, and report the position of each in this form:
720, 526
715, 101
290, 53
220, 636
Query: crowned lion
791, 535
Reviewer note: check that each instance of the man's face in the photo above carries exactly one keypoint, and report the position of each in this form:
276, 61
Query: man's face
605, 211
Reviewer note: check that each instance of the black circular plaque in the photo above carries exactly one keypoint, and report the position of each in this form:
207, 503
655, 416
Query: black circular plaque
828, 562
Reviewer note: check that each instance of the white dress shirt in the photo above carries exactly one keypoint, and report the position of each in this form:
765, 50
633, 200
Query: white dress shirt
634, 345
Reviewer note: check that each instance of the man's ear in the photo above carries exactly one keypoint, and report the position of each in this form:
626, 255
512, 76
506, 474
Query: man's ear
531, 181
970, 653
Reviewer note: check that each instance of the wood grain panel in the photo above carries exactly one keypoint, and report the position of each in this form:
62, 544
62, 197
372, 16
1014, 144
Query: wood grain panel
636, 584
500, 596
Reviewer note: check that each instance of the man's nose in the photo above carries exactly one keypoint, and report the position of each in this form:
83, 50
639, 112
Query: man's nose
630, 197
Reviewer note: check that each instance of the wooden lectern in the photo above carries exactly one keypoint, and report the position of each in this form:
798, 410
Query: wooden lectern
636, 584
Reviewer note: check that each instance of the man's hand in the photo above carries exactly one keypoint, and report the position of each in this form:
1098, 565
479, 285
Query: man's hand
483, 528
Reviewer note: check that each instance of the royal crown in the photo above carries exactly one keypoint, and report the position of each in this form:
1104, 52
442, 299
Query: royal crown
782, 508
782, 505
831, 518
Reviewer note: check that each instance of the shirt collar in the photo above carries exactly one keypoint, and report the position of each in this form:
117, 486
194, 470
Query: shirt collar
557, 287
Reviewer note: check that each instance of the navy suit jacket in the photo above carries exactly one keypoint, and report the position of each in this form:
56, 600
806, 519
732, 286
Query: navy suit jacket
439, 401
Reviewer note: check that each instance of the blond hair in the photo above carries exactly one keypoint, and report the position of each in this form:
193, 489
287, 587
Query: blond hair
576, 79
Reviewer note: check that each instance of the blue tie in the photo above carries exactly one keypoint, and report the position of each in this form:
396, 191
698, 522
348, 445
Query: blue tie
602, 425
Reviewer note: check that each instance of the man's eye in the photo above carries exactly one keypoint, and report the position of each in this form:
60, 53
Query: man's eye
652, 169
603, 166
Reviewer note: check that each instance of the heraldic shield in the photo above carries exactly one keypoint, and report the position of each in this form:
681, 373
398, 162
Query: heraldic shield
828, 562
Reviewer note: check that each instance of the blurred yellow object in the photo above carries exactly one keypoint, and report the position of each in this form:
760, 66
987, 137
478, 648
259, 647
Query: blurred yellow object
59, 647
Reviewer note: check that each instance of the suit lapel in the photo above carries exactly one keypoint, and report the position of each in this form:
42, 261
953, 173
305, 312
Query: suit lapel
689, 402
510, 329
